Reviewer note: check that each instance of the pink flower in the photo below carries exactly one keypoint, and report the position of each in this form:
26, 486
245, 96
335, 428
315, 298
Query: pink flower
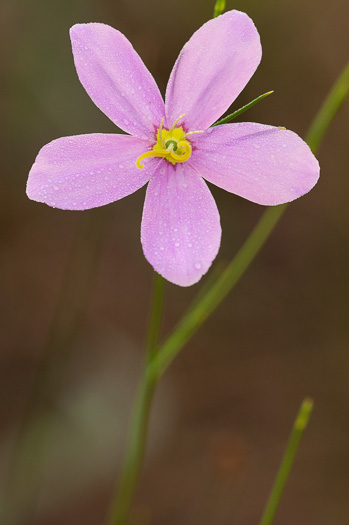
172, 147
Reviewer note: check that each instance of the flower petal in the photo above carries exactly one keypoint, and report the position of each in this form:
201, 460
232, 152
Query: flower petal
181, 230
87, 171
263, 164
212, 69
116, 79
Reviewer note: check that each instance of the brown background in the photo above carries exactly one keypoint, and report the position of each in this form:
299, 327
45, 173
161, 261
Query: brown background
225, 408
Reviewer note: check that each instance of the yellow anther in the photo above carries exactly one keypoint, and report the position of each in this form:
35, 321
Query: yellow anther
152, 153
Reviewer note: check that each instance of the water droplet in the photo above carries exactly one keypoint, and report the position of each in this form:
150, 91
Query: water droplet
197, 265
177, 244
56, 188
162, 248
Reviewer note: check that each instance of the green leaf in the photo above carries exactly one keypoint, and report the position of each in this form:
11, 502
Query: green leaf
238, 112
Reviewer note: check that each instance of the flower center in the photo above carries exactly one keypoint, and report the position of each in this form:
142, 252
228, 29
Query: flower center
171, 144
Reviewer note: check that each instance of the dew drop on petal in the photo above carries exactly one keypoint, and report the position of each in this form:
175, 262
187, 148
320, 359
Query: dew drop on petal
197, 265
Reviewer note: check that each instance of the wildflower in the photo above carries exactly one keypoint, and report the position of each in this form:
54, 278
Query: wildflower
172, 146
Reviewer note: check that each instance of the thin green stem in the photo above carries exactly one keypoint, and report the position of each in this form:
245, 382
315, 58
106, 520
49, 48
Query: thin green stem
155, 316
328, 110
140, 417
287, 462
238, 112
135, 452
206, 305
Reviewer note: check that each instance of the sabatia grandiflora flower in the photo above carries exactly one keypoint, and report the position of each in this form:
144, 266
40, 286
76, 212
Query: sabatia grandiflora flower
171, 145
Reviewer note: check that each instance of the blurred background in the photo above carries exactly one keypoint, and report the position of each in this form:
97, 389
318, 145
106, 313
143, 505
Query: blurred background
75, 294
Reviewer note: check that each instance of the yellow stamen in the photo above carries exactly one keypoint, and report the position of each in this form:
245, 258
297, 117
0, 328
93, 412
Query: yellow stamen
152, 153
160, 131
175, 122
193, 132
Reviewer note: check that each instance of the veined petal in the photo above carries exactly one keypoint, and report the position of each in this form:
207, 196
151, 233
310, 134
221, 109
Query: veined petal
212, 69
87, 171
116, 79
264, 164
181, 230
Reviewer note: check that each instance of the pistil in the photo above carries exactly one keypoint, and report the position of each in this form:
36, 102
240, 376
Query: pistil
171, 144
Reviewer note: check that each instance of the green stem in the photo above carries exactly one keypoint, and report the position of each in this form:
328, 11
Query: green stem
135, 452
140, 417
155, 316
328, 110
287, 462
